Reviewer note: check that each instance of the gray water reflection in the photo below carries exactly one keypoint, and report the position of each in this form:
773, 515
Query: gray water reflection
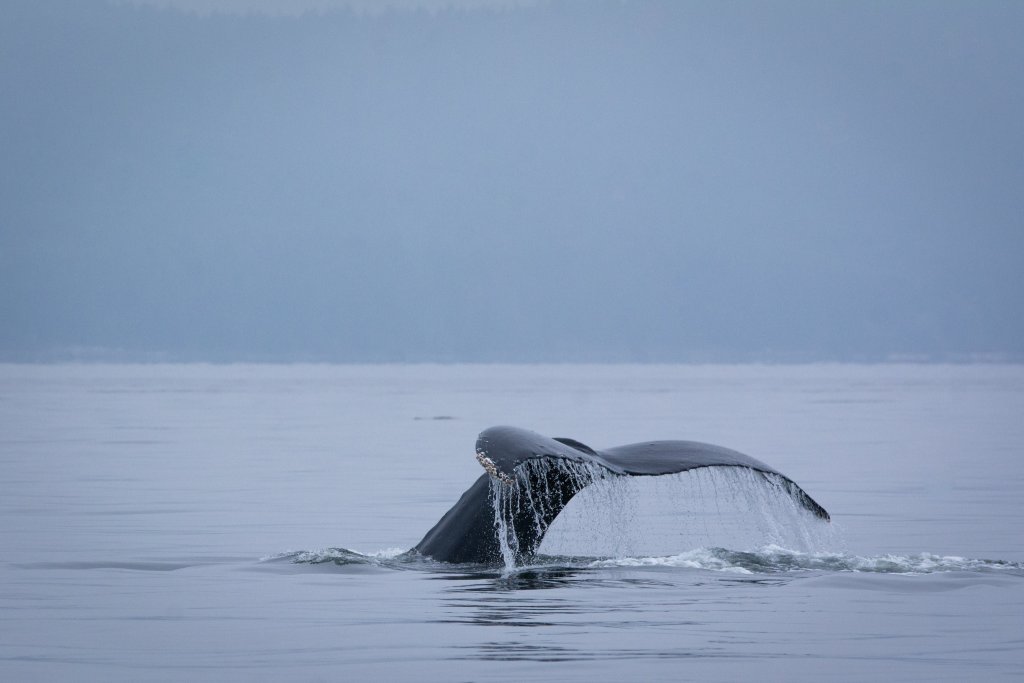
593, 615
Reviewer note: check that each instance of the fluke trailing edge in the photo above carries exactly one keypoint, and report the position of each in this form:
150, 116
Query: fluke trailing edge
530, 478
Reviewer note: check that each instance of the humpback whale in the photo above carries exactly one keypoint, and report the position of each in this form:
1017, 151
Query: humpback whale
529, 479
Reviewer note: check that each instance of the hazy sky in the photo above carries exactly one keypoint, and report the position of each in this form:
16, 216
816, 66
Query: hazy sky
565, 180
298, 7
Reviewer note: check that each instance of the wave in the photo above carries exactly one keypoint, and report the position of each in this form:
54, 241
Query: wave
771, 559
775, 559
339, 556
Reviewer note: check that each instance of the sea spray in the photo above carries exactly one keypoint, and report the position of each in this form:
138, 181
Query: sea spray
731, 507
503, 499
525, 504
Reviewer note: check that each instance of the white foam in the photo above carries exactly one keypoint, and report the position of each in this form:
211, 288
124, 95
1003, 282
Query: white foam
777, 559
335, 555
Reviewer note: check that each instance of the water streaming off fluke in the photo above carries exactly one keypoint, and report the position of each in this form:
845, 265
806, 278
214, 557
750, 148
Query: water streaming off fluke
615, 516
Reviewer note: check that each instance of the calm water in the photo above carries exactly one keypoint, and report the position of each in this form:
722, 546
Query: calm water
185, 523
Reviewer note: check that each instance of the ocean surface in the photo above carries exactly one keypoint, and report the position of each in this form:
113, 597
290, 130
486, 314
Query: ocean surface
247, 523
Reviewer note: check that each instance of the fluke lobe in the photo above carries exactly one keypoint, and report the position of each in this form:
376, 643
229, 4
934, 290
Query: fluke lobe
530, 478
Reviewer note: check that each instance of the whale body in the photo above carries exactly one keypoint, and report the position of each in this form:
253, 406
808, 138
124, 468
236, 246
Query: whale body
529, 479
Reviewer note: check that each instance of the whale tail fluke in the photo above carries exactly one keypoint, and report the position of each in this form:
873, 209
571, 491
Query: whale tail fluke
530, 478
